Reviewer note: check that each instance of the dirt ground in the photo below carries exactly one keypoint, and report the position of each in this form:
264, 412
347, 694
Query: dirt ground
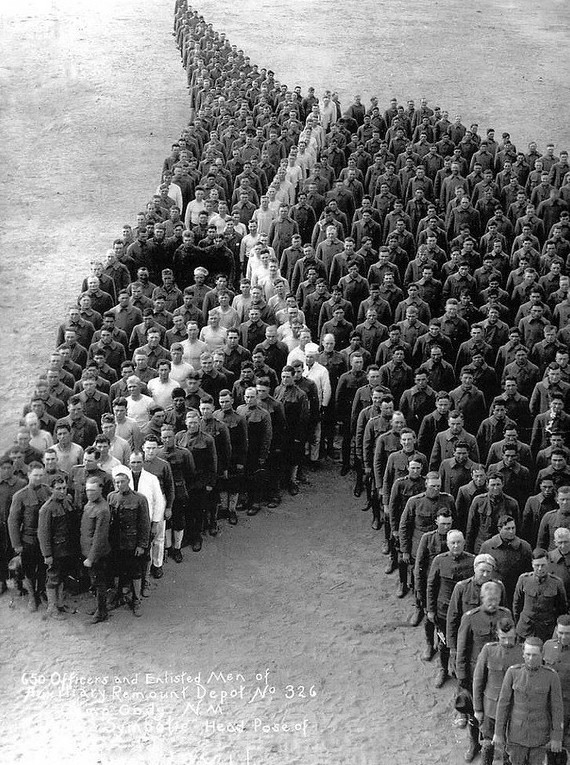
286, 619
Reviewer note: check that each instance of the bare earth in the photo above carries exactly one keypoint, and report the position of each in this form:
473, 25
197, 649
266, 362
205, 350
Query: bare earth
293, 603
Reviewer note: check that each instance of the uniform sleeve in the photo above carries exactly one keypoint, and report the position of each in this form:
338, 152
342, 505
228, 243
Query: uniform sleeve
100, 539
556, 707
562, 600
143, 523
15, 521
453, 618
518, 599
44, 530
472, 527
504, 703
266, 437
432, 590
169, 489
435, 458
480, 679
464, 639
406, 528
421, 568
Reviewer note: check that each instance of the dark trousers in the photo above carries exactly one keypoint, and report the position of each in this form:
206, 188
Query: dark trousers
346, 446
33, 566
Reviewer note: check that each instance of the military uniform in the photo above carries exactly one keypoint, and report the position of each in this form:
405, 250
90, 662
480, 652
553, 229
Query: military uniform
465, 597
482, 522
477, 628
129, 530
419, 516
431, 545
203, 450
529, 713
95, 546
23, 530
182, 469
492, 663
58, 536
537, 604
259, 434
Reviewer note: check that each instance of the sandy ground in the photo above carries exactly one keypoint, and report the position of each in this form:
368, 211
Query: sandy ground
292, 604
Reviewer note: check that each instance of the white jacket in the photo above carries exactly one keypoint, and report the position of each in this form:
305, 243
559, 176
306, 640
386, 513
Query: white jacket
320, 376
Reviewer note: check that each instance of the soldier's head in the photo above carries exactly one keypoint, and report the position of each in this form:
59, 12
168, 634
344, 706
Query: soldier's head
455, 542
540, 562
563, 629
490, 596
532, 652
444, 521
484, 568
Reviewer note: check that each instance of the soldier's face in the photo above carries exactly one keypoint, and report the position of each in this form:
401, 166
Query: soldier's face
456, 543
563, 631
532, 656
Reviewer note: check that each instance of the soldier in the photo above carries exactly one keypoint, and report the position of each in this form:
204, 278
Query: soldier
557, 657
467, 596
492, 664
203, 450
23, 530
431, 544
221, 435
259, 433
275, 463
9, 485
58, 538
129, 536
95, 546
530, 714
419, 516
478, 626
403, 488
182, 468
237, 429
539, 599
446, 570
296, 408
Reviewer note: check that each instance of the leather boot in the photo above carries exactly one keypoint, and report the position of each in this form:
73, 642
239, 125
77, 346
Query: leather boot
32, 598
52, 612
60, 595
474, 745
487, 752
101, 614
137, 601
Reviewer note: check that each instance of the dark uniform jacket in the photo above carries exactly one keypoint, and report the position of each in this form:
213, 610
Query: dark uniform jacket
530, 706
483, 517
444, 573
419, 516
24, 512
477, 627
465, 597
130, 521
95, 530
537, 604
493, 662
58, 528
